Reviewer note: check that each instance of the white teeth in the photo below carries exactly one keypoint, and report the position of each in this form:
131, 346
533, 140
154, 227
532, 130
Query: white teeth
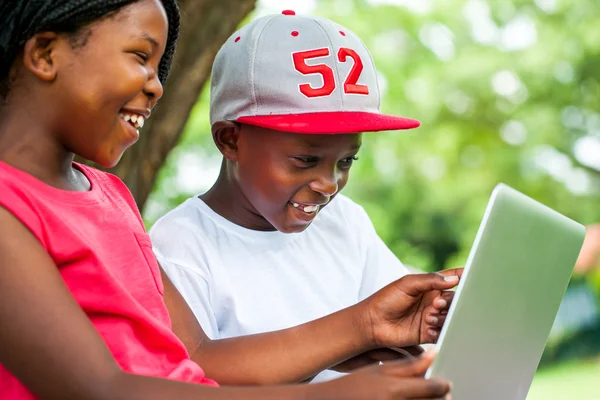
137, 120
309, 209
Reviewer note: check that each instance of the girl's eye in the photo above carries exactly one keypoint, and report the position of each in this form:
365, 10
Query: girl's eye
142, 56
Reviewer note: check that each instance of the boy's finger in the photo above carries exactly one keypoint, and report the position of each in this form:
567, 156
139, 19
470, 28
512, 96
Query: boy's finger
435, 320
433, 335
439, 304
412, 388
443, 301
447, 397
416, 284
441, 319
452, 272
426, 388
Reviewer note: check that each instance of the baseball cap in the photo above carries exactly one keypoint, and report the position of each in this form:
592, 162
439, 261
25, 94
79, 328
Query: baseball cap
299, 74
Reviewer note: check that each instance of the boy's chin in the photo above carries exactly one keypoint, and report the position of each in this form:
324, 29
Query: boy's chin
294, 228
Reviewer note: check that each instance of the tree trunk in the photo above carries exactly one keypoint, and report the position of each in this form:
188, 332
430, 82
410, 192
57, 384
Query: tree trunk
205, 25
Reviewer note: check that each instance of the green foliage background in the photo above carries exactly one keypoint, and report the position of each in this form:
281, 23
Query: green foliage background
426, 189
506, 91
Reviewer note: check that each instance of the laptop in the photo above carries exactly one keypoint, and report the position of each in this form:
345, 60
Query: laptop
515, 278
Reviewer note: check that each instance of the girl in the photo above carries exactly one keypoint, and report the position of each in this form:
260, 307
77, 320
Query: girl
82, 314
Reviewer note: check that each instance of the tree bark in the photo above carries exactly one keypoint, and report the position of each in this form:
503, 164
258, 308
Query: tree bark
205, 25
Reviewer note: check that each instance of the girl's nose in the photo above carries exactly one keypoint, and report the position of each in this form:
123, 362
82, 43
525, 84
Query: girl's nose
153, 89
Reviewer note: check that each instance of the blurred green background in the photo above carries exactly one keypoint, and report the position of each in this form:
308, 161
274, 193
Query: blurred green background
506, 91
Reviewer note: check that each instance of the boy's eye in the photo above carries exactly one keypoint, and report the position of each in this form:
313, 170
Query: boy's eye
307, 159
348, 161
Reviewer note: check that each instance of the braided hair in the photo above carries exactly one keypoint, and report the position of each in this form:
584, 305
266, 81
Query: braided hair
21, 19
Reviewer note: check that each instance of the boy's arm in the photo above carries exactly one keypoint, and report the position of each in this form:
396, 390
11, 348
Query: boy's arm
296, 354
286, 356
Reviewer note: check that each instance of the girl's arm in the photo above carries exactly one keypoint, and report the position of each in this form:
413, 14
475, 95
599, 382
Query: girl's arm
49, 344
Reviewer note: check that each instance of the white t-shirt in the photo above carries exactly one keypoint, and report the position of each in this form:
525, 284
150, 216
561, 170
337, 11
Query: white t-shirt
239, 281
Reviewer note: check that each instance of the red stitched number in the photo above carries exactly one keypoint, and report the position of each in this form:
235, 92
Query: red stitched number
321, 69
350, 85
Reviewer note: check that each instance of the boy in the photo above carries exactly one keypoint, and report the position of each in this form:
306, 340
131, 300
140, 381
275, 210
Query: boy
271, 245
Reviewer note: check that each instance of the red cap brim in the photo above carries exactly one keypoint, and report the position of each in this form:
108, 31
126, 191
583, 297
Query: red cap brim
331, 122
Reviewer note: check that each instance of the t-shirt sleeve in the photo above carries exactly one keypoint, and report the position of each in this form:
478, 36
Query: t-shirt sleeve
381, 266
189, 271
122, 194
195, 290
19, 205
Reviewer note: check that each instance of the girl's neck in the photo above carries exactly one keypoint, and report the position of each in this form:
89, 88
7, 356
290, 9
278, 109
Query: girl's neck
27, 145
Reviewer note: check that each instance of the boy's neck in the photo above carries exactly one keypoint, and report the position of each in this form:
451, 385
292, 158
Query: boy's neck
226, 199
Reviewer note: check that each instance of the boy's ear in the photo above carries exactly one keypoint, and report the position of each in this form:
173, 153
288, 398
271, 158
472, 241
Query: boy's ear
39, 55
226, 135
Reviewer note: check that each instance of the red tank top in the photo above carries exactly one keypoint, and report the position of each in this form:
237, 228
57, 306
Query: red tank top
100, 247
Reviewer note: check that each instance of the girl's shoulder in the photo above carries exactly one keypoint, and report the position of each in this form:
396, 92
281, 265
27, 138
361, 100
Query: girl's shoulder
113, 188
103, 178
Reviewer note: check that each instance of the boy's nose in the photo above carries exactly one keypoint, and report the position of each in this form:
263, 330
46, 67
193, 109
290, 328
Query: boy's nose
325, 186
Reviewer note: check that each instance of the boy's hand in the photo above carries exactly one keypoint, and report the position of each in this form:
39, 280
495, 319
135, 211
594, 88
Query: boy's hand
398, 380
411, 310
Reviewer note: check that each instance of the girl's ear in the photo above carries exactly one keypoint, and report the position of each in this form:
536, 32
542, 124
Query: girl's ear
39, 55
226, 135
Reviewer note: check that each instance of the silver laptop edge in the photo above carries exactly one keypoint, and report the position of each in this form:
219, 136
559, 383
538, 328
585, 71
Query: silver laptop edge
457, 359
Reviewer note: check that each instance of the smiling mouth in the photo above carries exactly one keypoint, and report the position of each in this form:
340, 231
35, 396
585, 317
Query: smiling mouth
309, 209
136, 120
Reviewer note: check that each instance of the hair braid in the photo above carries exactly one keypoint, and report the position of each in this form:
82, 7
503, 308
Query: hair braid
172, 10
